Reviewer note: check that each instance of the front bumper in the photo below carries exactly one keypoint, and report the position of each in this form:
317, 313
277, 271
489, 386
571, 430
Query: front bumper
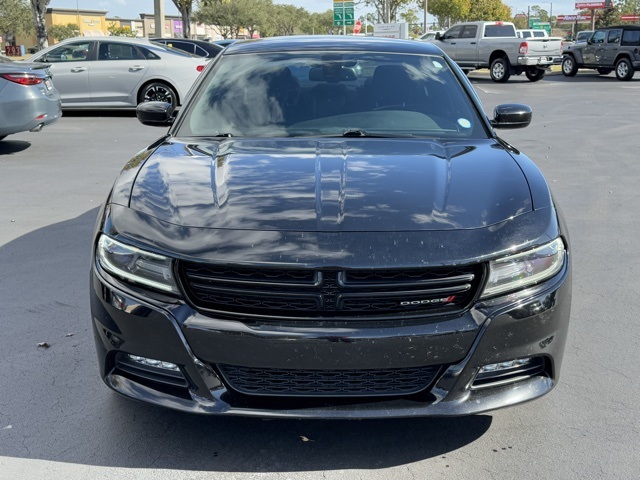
530, 324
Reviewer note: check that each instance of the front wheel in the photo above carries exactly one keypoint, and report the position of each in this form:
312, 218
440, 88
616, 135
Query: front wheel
158, 92
569, 66
624, 69
535, 74
500, 70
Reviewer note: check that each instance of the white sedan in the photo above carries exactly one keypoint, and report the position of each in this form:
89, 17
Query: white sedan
118, 72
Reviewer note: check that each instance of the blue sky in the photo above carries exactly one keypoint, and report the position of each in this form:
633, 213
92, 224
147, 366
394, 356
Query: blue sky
132, 8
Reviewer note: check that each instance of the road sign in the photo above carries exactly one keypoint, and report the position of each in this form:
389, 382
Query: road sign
357, 27
343, 13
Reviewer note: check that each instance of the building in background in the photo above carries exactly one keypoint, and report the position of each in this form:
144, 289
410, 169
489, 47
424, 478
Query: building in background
92, 23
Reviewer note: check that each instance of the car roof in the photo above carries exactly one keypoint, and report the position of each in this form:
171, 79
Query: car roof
111, 38
626, 27
332, 43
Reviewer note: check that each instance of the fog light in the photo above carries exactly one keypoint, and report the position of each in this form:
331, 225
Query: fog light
502, 373
494, 367
154, 363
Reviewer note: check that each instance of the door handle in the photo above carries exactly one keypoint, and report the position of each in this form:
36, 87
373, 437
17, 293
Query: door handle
453, 43
78, 69
135, 68
473, 43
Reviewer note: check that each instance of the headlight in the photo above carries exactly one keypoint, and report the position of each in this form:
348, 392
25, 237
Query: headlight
136, 265
524, 269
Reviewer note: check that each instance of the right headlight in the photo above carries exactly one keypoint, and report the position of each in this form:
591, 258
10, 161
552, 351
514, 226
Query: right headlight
526, 268
136, 265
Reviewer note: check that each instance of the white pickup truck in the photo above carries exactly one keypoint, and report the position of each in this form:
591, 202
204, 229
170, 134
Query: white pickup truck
494, 45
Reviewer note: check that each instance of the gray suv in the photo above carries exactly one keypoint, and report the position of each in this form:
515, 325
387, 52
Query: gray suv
608, 49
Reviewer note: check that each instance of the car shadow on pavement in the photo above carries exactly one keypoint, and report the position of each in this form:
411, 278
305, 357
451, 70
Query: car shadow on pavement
9, 147
54, 407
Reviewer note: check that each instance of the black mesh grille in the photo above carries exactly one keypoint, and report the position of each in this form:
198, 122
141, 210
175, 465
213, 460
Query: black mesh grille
328, 383
305, 293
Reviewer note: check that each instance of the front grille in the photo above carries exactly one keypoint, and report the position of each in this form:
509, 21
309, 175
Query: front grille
305, 293
328, 383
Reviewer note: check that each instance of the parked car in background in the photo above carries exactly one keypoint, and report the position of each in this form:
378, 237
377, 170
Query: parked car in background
225, 42
118, 72
532, 33
494, 45
28, 98
201, 48
614, 48
312, 239
430, 35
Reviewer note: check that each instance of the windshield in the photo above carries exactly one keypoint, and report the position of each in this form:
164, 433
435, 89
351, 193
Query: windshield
337, 94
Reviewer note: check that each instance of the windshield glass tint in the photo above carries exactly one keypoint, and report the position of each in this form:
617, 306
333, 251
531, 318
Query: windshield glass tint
321, 94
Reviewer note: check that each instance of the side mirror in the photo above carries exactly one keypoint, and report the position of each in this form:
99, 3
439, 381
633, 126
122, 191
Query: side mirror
156, 114
511, 115
439, 36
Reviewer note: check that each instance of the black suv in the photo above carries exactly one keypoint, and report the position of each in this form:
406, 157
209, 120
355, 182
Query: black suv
608, 49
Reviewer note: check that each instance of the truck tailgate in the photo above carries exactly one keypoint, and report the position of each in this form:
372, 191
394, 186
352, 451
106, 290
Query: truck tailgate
547, 47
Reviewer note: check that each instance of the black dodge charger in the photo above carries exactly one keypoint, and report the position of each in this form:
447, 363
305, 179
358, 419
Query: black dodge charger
331, 228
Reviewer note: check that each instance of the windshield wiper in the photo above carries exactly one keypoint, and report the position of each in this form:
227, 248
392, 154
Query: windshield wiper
357, 132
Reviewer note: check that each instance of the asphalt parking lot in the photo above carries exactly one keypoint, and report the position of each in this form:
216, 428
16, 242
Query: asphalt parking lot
58, 421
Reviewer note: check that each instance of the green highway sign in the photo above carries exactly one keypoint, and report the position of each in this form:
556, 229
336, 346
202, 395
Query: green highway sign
343, 13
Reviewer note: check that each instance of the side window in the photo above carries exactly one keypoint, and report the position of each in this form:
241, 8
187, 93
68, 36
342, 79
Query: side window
539, 34
631, 38
470, 31
599, 36
201, 52
148, 54
184, 46
117, 51
453, 32
614, 36
526, 34
74, 52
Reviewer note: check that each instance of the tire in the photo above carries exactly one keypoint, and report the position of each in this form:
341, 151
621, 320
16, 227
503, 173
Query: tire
624, 70
158, 92
535, 74
500, 70
569, 66
605, 71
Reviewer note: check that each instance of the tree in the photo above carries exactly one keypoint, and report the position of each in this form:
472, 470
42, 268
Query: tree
116, 31
409, 16
286, 18
223, 14
61, 32
610, 16
448, 12
39, 8
253, 14
185, 7
537, 12
488, 10
387, 9
15, 18
320, 23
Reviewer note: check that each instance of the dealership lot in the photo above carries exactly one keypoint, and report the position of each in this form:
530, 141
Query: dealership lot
57, 420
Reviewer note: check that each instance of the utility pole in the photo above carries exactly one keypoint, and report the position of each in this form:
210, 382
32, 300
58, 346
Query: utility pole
425, 17
158, 17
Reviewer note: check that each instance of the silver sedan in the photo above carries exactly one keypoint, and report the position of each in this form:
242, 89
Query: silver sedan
118, 72
28, 99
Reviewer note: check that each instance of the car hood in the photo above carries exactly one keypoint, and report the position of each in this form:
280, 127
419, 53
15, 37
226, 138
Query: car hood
330, 185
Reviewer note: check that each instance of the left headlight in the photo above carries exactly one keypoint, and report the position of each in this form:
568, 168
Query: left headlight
135, 265
526, 268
